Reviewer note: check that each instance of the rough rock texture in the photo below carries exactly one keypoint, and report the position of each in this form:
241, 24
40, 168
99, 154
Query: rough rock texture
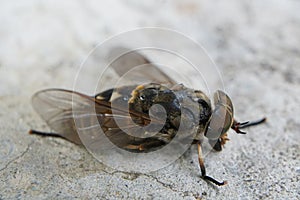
255, 45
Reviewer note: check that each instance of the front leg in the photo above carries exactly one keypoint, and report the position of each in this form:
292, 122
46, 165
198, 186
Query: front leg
203, 171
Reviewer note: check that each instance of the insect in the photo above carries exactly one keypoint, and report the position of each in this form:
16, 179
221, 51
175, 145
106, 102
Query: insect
59, 108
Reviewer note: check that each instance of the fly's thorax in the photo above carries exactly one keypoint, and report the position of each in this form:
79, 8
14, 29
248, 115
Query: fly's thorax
196, 107
195, 104
186, 108
144, 97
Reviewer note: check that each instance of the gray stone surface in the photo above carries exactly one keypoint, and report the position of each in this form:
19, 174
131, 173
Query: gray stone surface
256, 46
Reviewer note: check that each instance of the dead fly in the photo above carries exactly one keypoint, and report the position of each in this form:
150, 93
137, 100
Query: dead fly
59, 108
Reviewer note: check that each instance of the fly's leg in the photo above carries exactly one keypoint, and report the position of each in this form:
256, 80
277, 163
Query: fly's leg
134, 147
44, 134
236, 126
203, 171
144, 146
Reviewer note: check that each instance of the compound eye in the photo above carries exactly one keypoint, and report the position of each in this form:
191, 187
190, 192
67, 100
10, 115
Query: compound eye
219, 124
222, 99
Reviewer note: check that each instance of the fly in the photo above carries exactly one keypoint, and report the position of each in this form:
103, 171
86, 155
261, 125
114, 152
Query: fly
58, 107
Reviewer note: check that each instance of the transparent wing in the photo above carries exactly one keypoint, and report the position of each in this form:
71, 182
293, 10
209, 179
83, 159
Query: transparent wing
55, 108
124, 60
69, 113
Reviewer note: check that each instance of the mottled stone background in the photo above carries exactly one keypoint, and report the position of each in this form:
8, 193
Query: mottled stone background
256, 46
